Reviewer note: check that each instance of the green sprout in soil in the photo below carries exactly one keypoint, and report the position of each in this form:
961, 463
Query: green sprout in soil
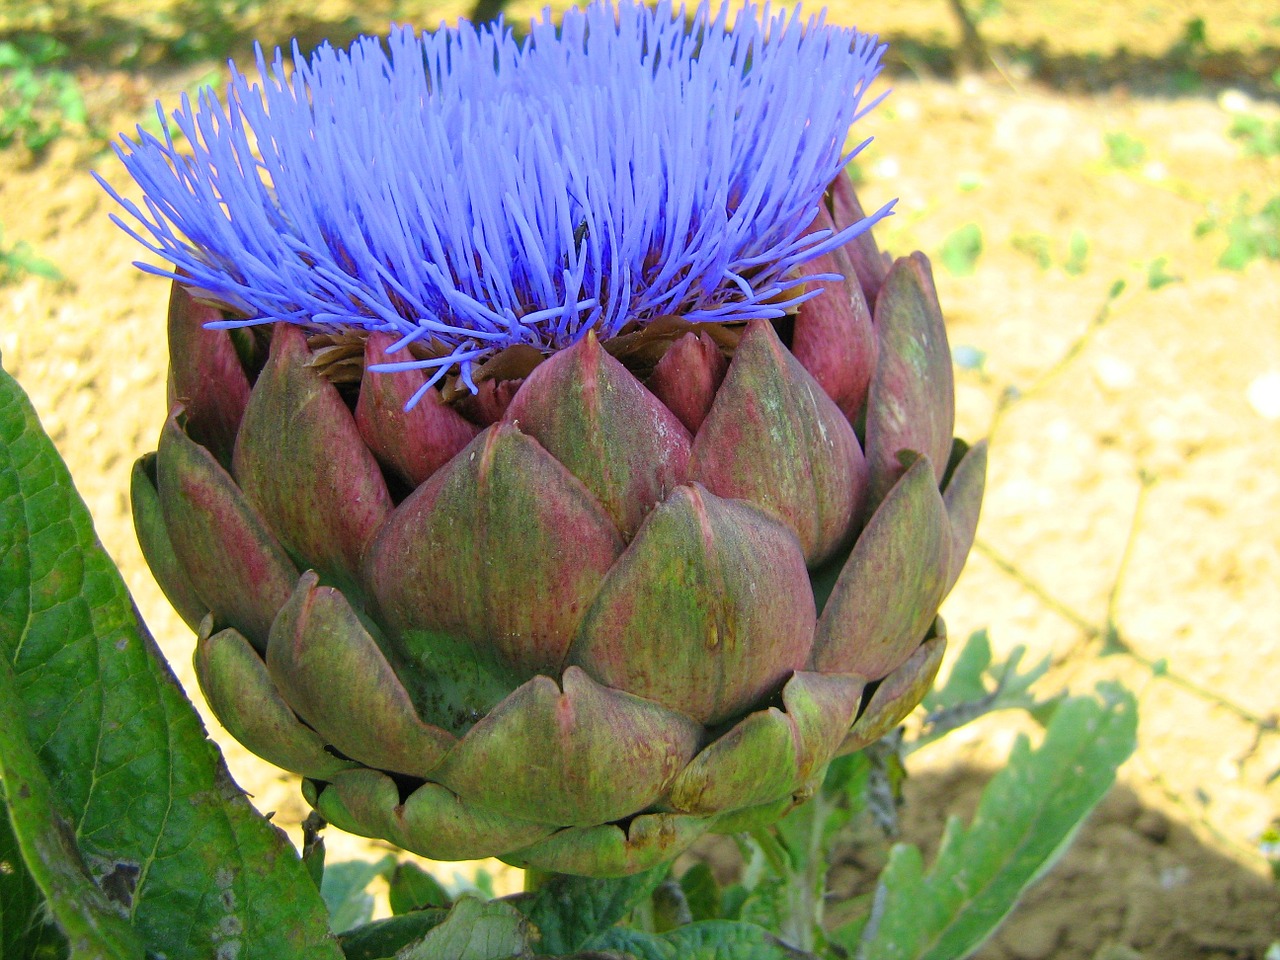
1158, 275
1258, 137
1251, 234
1036, 246
38, 102
1077, 253
19, 261
1124, 151
961, 249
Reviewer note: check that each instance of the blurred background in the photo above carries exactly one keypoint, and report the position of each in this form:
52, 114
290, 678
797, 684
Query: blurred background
1098, 186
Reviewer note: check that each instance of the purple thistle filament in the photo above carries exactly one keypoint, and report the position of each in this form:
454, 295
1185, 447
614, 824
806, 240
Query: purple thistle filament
474, 192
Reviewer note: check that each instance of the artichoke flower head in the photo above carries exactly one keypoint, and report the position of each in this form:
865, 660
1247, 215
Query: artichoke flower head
555, 469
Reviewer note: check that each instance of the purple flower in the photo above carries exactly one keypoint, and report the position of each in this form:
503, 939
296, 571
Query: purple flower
470, 191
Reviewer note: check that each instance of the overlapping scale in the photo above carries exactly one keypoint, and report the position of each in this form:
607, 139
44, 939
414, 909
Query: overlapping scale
911, 402
241, 693
707, 612
303, 465
431, 821
588, 411
411, 443
503, 548
229, 553
331, 671
889, 590
774, 438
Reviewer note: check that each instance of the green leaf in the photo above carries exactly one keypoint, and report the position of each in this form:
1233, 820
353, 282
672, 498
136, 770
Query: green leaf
412, 888
1261, 139
122, 809
386, 938
475, 930
1252, 235
344, 888
1077, 254
965, 681
960, 251
701, 892
46, 839
569, 910
1036, 246
976, 687
709, 940
1124, 151
1158, 276
25, 933
1027, 816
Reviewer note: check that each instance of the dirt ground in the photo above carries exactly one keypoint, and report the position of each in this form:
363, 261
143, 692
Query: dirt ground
1133, 491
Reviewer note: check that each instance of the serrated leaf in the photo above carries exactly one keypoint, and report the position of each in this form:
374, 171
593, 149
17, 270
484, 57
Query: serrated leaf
1027, 816
964, 682
475, 930
569, 910
709, 940
412, 888
976, 687
152, 818
345, 889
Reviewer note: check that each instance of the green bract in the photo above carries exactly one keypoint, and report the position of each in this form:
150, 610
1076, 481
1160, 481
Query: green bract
627, 593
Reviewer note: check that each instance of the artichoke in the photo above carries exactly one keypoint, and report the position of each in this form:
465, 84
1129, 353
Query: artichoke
574, 596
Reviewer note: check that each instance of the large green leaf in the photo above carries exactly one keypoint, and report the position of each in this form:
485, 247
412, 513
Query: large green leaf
46, 840
569, 910
138, 811
475, 930
25, 931
708, 940
1027, 816
386, 937
412, 888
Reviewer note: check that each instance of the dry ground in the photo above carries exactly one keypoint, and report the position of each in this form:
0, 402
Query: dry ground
1169, 410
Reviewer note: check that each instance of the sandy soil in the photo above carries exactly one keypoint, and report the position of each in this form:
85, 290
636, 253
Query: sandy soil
1168, 413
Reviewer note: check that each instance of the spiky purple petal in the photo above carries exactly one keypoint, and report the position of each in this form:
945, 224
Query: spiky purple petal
474, 192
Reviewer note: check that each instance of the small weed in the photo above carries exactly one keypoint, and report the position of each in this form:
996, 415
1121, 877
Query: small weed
960, 251
1188, 52
38, 102
1250, 233
18, 261
1077, 254
1158, 276
986, 10
1035, 246
1124, 152
1040, 248
1260, 139
968, 357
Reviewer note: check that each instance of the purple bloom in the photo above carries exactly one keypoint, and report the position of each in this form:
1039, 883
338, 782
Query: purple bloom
471, 192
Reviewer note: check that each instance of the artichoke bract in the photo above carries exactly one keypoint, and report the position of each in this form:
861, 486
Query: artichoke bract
535, 540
